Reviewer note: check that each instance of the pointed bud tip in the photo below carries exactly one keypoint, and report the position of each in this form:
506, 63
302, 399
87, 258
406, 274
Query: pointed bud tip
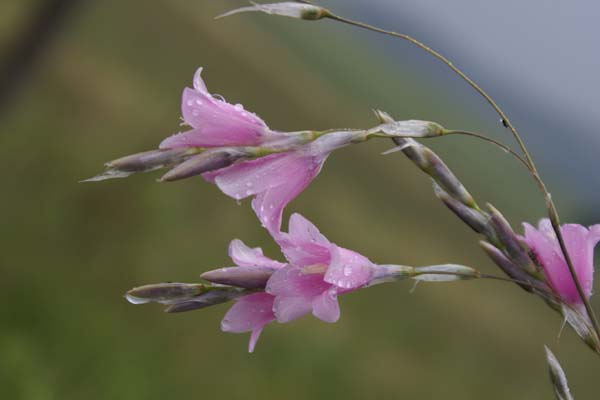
298, 10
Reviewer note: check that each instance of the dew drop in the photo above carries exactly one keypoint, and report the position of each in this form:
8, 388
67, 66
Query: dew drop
239, 107
347, 271
190, 102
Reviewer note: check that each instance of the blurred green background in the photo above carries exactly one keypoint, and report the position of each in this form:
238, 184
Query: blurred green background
109, 84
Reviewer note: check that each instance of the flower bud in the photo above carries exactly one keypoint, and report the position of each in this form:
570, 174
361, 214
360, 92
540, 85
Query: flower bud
558, 377
244, 277
287, 9
510, 268
411, 128
216, 295
144, 162
477, 220
508, 238
165, 293
210, 160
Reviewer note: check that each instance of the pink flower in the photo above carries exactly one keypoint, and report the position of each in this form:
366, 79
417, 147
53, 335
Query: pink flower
318, 271
252, 312
215, 122
580, 243
276, 179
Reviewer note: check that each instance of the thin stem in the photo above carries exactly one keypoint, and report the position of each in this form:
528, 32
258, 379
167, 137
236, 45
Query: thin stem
495, 142
552, 212
494, 277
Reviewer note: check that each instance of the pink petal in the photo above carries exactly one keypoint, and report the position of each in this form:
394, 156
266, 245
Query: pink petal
348, 269
302, 230
199, 84
216, 122
275, 180
304, 245
294, 292
249, 313
326, 306
254, 336
580, 244
288, 309
245, 256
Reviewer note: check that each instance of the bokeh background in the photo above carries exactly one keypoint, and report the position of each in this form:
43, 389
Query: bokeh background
82, 82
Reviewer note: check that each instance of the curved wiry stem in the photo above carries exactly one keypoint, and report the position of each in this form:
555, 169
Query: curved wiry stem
551, 208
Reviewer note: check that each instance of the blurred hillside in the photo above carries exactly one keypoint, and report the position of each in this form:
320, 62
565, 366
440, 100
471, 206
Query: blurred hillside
109, 84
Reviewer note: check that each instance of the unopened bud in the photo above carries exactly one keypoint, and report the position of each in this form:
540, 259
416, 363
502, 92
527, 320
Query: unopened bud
210, 160
438, 170
144, 162
476, 219
558, 377
165, 293
151, 159
214, 296
286, 9
511, 269
244, 277
445, 273
408, 129
509, 239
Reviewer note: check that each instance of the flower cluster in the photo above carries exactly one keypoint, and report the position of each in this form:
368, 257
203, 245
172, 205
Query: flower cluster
236, 150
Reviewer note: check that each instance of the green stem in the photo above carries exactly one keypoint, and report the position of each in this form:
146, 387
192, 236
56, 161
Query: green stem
552, 212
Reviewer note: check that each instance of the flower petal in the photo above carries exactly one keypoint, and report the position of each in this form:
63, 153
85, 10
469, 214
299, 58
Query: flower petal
249, 313
326, 306
275, 180
304, 245
245, 256
216, 122
580, 244
287, 309
348, 269
294, 292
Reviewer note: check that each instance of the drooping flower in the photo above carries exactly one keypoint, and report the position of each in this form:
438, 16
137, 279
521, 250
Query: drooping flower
318, 271
580, 243
277, 179
236, 150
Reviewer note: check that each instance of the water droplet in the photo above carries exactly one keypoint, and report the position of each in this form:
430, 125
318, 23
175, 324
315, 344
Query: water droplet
190, 102
347, 271
249, 184
248, 192
195, 113
239, 107
199, 102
